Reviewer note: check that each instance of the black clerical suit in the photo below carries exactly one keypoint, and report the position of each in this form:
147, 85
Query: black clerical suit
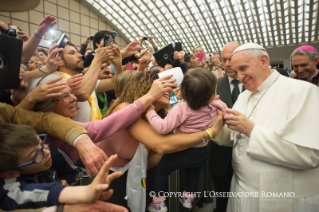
220, 156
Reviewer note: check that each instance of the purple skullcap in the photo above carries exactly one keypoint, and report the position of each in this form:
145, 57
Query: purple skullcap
307, 48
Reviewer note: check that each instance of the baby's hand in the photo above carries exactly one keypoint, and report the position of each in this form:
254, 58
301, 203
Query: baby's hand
151, 107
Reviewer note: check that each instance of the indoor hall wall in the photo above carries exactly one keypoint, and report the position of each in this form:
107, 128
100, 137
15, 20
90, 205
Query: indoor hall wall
73, 18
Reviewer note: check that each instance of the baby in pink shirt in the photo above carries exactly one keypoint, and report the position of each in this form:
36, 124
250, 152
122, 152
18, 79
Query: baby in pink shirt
198, 112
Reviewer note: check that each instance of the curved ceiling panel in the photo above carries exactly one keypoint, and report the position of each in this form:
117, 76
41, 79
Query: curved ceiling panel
211, 23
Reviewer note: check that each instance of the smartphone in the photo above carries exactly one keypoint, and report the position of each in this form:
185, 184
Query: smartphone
178, 46
145, 38
108, 40
91, 37
63, 41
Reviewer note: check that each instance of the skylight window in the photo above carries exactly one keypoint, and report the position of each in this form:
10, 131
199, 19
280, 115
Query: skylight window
212, 23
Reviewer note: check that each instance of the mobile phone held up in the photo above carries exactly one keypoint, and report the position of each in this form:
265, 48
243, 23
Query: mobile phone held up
108, 40
91, 37
145, 38
178, 46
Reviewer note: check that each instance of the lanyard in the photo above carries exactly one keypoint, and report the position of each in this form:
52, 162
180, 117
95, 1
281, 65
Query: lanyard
104, 101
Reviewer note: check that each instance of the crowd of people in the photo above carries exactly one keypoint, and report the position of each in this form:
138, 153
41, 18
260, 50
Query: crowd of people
104, 111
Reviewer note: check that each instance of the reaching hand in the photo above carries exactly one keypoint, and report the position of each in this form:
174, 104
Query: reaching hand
131, 49
3, 26
88, 40
161, 86
239, 122
143, 63
218, 123
53, 61
140, 55
117, 55
47, 90
104, 54
151, 107
215, 60
102, 181
75, 81
92, 156
23, 35
45, 25
150, 39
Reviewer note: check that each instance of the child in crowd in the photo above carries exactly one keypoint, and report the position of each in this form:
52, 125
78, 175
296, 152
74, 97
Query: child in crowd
198, 112
25, 179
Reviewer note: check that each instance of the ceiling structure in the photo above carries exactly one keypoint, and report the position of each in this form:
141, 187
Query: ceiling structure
212, 23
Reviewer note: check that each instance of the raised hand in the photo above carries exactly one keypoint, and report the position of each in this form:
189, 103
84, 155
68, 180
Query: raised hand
75, 81
23, 35
45, 25
131, 49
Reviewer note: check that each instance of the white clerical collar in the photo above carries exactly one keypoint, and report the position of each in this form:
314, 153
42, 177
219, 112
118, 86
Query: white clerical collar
269, 81
231, 79
309, 79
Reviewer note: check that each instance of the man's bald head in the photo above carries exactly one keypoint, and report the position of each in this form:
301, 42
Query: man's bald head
227, 52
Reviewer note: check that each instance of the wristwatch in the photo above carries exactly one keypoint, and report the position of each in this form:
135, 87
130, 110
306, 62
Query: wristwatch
217, 67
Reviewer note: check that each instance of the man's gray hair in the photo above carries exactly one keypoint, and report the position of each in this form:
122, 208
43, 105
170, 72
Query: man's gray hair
46, 105
256, 53
312, 55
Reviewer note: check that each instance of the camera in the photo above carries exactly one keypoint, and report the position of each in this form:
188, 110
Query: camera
63, 41
12, 32
145, 38
108, 40
166, 56
10, 61
91, 37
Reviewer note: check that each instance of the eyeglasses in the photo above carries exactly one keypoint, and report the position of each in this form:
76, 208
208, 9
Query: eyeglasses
66, 97
40, 154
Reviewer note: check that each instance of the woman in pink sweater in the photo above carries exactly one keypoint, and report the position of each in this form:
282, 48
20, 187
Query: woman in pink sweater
98, 130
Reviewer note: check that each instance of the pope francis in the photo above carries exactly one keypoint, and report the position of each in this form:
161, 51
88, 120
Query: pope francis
275, 138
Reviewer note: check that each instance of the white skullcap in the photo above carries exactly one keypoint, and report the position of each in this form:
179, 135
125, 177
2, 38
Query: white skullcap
248, 46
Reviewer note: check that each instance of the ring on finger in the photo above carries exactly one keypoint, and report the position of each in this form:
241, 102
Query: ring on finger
49, 90
165, 85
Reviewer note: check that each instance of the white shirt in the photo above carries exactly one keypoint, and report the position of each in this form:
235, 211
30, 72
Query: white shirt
84, 111
282, 152
240, 85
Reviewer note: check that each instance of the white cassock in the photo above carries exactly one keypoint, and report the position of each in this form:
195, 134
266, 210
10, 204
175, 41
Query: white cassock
281, 155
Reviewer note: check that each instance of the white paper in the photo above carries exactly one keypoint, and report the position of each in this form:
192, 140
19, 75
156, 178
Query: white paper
176, 72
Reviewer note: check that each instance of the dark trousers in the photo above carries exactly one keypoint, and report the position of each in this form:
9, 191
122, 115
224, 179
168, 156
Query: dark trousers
192, 160
222, 184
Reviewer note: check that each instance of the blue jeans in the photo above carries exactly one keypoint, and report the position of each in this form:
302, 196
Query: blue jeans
192, 160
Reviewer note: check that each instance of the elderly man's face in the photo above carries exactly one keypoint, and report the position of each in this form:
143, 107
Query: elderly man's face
251, 71
303, 66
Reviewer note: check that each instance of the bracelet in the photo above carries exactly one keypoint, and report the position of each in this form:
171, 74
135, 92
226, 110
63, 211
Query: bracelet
205, 137
60, 208
210, 133
43, 71
36, 35
137, 108
14, 101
